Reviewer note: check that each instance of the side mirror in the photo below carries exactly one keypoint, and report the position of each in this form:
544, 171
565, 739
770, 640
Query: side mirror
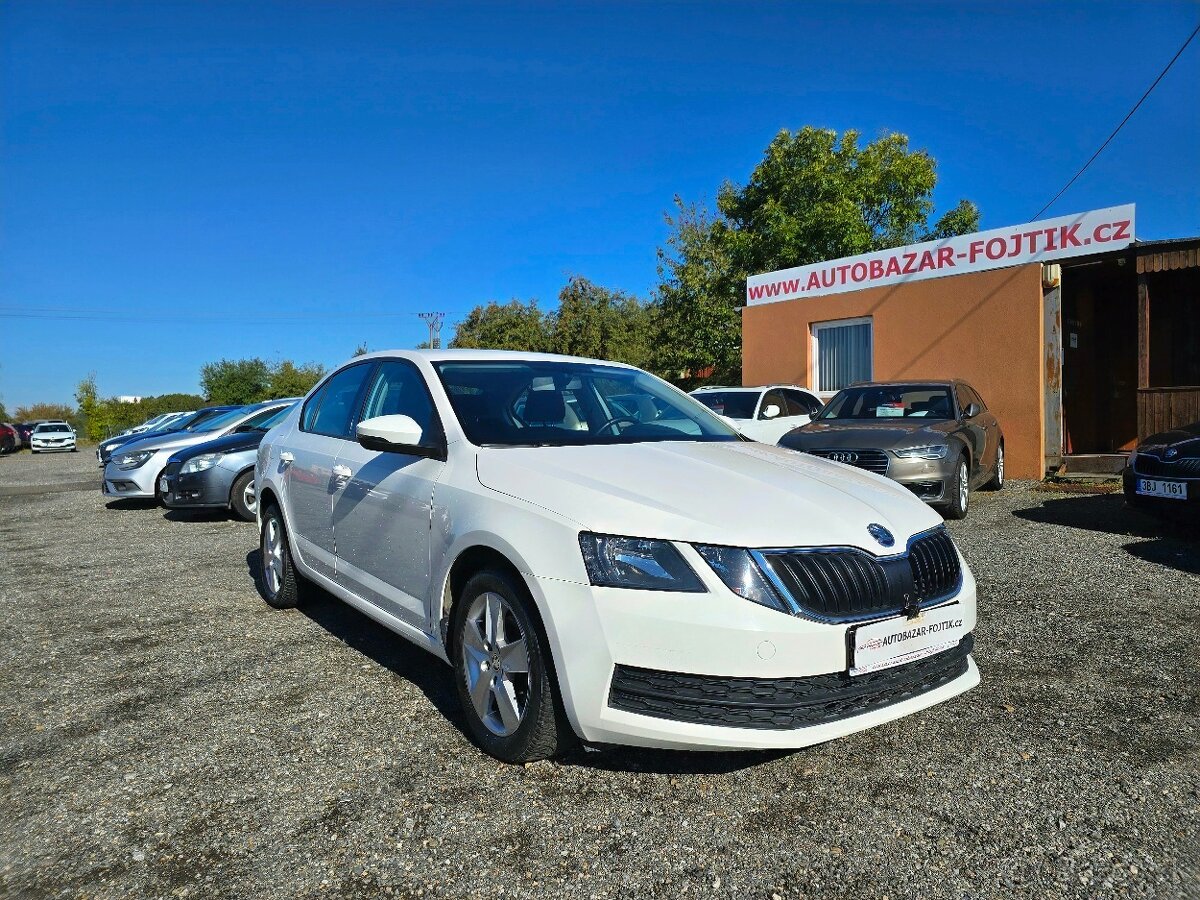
395, 434
973, 410
771, 411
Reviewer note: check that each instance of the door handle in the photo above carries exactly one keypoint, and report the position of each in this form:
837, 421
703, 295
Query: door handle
341, 472
287, 458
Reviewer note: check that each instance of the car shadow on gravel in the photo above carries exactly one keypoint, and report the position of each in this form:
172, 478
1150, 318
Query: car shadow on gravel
411, 663
201, 514
377, 643
132, 503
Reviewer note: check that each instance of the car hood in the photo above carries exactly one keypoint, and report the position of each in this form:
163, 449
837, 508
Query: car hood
1185, 439
229, 443
51, 435
887, 434
738, 494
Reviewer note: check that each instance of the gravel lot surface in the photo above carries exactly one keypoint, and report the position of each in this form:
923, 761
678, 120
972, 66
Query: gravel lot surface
164, 733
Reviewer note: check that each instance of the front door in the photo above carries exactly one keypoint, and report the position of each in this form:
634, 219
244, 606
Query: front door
383, 505
310, 479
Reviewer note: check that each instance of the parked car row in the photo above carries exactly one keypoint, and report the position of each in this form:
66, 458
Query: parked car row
206, 461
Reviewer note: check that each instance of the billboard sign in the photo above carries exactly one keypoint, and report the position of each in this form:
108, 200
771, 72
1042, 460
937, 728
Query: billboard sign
1051, 239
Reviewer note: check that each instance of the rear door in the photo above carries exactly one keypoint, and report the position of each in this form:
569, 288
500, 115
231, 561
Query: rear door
309, 480
975, 430
383, 502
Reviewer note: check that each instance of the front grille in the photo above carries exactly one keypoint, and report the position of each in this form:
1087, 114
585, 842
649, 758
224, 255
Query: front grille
780, 703
844, 584
1175, 468
872, 460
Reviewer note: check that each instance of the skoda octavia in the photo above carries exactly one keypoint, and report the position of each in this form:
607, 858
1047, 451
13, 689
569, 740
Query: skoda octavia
600, 557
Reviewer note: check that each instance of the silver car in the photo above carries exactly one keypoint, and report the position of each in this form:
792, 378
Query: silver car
936, 438
133, 470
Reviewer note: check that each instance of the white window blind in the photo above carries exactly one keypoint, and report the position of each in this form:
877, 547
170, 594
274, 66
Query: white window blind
843, 353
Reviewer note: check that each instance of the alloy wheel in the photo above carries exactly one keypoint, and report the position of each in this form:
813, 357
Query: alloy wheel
1000, 465
964, 486
249, 498
272, 553
496, 664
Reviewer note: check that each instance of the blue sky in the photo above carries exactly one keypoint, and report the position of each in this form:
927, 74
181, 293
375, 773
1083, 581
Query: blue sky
176, 178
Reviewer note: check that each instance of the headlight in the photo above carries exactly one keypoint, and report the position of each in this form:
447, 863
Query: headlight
636, 563
742, 575
933, 451
133, 460
200, 463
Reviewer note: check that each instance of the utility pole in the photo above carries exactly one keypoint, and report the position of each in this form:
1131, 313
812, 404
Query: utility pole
434, 321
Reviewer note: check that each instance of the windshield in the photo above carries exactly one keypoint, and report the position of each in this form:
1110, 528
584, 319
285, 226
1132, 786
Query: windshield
217, 422
551, 404
892, 401
266, 420
51, 427
734, 404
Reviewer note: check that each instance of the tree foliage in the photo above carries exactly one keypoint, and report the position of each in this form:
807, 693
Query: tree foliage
814, 196
599, 323
290, 380
503, 326
235, 380
35, 411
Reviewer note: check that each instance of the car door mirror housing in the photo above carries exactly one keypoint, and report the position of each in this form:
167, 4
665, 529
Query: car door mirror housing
973, 410
396, 434
771, 411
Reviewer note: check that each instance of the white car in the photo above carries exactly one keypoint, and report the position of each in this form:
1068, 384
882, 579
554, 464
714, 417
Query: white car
764, 413
660, 582
52, 436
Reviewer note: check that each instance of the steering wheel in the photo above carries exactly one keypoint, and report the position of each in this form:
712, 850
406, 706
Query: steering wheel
615, 419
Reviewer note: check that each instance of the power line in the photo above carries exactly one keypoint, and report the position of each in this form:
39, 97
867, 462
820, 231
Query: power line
91, 315
1119, 127
434, 321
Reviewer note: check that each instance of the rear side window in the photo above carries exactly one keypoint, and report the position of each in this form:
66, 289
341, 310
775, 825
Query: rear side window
800, 404
331, 410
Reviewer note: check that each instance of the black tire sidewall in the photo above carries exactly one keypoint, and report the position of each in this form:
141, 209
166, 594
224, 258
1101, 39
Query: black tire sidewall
954, 509
235, 499
517, 746
288, 595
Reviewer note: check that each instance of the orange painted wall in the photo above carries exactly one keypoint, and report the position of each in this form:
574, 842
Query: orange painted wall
984, 327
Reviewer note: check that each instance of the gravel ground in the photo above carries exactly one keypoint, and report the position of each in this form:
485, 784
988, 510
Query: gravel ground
164, 733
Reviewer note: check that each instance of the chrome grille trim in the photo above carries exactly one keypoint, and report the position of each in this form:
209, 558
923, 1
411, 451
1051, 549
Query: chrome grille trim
872, 460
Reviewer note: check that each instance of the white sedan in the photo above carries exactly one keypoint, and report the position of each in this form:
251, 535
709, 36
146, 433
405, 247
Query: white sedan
764, 413
52, 436
621, 571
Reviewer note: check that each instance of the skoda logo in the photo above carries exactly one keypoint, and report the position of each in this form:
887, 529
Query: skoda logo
844, 456
1172, 453
881, 534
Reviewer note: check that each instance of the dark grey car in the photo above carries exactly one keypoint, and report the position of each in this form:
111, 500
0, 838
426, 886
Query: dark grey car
937, 438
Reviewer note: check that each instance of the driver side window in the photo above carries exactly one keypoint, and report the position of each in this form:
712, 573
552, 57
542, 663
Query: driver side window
399, 390
773, 399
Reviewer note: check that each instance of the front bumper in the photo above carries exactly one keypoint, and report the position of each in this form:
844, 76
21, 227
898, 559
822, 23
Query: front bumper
43, 447
131, 483
1190, 505
195, 490
598, 634
928, 479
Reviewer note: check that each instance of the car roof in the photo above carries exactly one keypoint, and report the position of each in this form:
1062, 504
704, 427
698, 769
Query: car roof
466, 355
946, 382
760, 387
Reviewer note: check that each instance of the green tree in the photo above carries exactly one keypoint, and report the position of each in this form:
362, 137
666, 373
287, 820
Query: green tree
290, 380
814, 196
600, 323
361, 349
36, 411
87, 398
236, 381
509, 326
3, 412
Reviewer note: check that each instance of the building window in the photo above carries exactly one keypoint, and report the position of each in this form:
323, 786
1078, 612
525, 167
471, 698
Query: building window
842, 353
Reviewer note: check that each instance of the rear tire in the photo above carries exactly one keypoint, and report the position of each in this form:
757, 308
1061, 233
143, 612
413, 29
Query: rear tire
503, 672
960, 491
282, 586
241, 497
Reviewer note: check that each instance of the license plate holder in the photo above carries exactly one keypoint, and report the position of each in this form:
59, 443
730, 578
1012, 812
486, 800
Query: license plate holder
899, 640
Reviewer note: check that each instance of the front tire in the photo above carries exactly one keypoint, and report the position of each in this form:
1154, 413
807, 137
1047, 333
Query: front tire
242, 499
503, 672
960, 491
283, 587
997, 481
